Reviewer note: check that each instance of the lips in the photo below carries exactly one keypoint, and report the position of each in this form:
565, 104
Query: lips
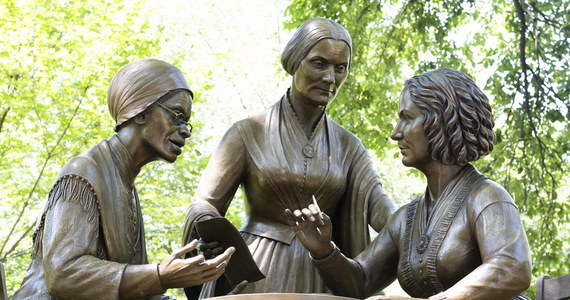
326, 91
178, 144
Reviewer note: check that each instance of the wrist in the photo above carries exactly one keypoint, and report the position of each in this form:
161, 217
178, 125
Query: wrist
323, 252
162, 285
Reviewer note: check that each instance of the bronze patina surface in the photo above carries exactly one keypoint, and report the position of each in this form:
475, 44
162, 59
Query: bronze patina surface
462, 239
283, 156
90, 242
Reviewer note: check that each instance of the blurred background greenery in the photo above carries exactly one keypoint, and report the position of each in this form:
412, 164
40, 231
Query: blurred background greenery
58, 56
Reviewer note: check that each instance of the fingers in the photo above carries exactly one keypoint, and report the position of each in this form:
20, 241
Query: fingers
203, 246
211, 249
217, 262
317, 214
308, 214
189, 247
314, 210
290, 217
298, 214
180, 253
211, 253
297, 218
183, 272
238, 288
313, 214
326, 220
224, 257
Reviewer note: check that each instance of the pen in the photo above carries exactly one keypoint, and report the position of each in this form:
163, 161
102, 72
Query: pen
321, 223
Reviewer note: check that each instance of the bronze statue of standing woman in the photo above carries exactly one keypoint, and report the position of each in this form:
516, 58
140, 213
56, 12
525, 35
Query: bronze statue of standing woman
283, 156
463, 239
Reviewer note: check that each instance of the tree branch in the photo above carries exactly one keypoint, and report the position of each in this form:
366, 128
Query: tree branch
3, 118
31, 193
22, 236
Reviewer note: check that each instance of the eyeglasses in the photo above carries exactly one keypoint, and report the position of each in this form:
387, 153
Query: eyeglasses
178, 117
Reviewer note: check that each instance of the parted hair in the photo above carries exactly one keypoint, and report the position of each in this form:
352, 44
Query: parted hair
458, 120
307, 36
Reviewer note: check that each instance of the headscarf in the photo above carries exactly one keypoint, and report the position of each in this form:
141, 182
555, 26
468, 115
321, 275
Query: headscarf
306, 36
139, 84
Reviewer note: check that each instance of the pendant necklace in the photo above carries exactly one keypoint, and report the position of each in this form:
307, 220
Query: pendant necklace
425, 226
308, 150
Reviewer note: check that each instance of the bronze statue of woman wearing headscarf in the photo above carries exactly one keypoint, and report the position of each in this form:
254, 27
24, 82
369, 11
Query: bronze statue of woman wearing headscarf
463, 239
89, 242
287, 154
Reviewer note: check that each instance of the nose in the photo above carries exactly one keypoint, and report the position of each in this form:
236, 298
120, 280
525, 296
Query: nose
184, 131
329, 75
396, 133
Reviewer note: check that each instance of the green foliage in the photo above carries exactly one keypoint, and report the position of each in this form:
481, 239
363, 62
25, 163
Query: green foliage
56, 60
522, 48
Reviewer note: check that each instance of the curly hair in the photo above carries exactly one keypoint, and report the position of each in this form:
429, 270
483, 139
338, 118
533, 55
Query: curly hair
458, 120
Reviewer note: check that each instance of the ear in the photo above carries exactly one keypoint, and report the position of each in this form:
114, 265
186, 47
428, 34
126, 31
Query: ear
140, 119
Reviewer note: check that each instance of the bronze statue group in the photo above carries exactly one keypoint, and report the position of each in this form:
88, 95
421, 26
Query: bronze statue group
310, 188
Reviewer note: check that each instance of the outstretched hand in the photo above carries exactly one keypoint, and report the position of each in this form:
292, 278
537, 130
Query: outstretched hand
313, 229
179, 272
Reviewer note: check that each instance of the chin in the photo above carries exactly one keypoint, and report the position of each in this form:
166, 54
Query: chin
171, 160
322, 101
169, 157
406, 162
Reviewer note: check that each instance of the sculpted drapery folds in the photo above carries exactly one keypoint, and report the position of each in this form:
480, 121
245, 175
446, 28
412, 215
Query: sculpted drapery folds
89, 242
463, 239
283, 156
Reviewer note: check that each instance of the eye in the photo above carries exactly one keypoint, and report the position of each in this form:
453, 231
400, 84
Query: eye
180, 117
340, 68
318, 63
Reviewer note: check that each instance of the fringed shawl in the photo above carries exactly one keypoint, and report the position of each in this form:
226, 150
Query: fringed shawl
108, 198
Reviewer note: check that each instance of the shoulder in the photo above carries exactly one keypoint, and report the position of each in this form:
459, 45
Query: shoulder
83, 164
256, 121
397, 221
245, 131
487, 193
88, 165
343, 133
347, 142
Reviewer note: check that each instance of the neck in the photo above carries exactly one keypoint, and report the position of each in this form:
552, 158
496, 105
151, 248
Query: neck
131, 140
308, 114
438, 176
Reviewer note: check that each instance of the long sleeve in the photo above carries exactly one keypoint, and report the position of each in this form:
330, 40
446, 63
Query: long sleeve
372, 270
73, 255
380, 206
365, 204
224, 173
219, 182
505, 253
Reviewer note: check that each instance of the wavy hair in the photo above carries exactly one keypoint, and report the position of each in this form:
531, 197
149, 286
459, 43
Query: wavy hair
458, 120
307, 36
